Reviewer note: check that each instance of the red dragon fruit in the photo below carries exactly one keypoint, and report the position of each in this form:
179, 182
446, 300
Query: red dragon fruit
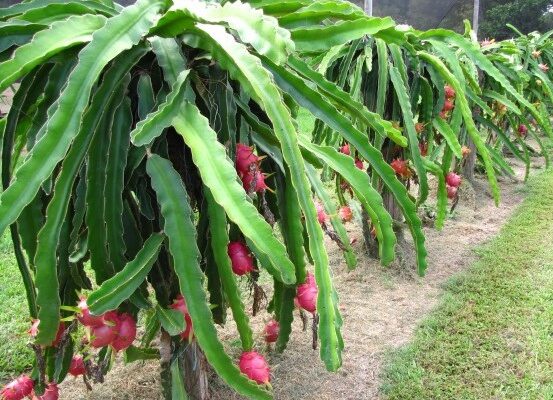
306, 293
77, 367
254, 182
126, 332
85, 317
448, 106
104, 334
271, 331
452, 179
180, 305
322, 216
254, 366
245, 157
17, 389
449, 92
51, 393
345, 149
345, 213
401, 168
242, 261
451, 192
359, 163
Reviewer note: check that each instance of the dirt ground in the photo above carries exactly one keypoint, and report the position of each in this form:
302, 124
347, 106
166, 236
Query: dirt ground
381, 309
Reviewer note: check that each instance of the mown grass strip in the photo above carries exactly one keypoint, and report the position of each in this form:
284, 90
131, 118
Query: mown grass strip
491, 337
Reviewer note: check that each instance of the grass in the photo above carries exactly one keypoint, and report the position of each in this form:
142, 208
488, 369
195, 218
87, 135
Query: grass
492, 335
15, 356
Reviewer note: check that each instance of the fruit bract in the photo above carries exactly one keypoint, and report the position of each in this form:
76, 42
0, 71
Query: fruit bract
77, 367
452, 179
180, 305
359, 163
271, 331
33, 331
245, 158
126, 332
52, 392
345, 213
85, 317
242, 261
254, 366
17, 389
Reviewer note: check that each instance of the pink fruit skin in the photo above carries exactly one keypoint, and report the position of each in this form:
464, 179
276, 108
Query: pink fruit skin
76, 367
448, 106
321, 214
51, 393
242, 261
180, 305
452, 179
272, 329
306, 293
245, 158
359, 163
248, 182
345, 149
400, 167
449, 92
17, 389
126, 332
105, 334
254, 366
85, 317
451, 192
345, 213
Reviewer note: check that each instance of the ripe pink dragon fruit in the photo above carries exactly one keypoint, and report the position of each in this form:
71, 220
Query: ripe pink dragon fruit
17, 389
448, 106
452, 179
401, 168
104, 334
359, 163
126, 332
85, 317
180, 305
345, 213
245, 157
321, 214
271, 331
52, 392
77, 367
254, 182
451, 192
449, 92
306, 293
242, 261
345, 149
254, 366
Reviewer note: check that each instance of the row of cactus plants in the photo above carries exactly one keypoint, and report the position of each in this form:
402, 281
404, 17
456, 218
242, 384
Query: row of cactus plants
162, 150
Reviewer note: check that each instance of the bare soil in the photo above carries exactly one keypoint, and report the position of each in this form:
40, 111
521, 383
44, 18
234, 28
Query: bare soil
381, 308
